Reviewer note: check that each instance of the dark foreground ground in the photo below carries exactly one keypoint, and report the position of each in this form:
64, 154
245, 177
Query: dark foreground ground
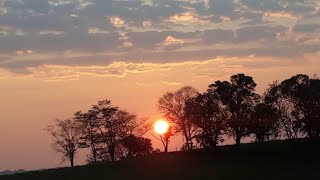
271, 161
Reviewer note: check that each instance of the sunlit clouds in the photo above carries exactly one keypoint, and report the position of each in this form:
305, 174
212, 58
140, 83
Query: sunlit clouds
171, 41
189, 71
187, 18
117, 21
152, 31
282, 15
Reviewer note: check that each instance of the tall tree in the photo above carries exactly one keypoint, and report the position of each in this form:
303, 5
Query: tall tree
284, 107
103, 128
105, 112
239, 97
264, 122
172, 105
66, 137
305, 94
90, 128
207, 113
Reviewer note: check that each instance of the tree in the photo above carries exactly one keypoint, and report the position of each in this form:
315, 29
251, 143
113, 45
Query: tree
206, 112
115, 125
264, 122
90, 128
105, 112
239, 97
305, 95
103, 128
164, 138
284, 107
137, 146
172, 105
66, 137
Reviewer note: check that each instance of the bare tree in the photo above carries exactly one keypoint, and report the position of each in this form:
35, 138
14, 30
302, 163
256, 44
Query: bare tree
66, 137
164, 138
172, 105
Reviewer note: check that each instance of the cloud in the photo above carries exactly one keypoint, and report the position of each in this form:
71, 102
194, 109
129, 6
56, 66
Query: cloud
255, 33
171, 83
306, 28
282, 15
188, 18
172, 41
117, 21
157, 31
217, 36
204, 69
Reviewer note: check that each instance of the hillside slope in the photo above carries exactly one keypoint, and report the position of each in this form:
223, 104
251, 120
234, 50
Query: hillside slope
272, 160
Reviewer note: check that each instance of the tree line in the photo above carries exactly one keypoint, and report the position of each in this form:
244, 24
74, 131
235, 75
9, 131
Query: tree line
109, 132
287, 110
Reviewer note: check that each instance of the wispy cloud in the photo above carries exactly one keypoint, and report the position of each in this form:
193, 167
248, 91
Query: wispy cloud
171, 83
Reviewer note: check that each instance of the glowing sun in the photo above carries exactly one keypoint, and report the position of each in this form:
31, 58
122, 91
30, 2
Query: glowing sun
161, 126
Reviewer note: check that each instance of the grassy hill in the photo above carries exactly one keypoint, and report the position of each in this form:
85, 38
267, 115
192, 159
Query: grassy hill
268, 161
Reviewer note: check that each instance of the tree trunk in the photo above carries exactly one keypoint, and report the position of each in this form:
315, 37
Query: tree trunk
190, 144
185, 133
71, 161
112, 155
238, 139
94, 153
166, 149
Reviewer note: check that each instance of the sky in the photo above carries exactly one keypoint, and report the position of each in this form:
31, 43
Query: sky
60, 56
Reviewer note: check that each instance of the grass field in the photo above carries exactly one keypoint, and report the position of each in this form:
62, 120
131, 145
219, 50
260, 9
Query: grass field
269, 161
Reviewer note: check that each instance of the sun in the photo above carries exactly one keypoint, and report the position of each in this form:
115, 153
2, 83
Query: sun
161, 126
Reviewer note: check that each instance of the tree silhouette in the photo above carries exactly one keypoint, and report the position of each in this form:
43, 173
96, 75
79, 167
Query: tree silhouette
105, 112
172, 105
103, 128
285, 108
233, 108
137, 146
90, 128
207, 113
305, 94
264, 122
66, 137
165, 138
239, 98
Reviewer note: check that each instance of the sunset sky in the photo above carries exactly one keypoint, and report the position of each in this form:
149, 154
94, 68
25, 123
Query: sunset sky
60, 56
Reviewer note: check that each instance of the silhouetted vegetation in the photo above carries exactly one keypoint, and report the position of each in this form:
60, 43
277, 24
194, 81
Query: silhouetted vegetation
239, 98
207, 113
66, 137
290, 108
287, 110
109, 132
136, 146
165, 138
173, 107
277, 160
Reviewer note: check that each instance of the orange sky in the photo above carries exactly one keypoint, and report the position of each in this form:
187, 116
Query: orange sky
65, 55
29, 104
